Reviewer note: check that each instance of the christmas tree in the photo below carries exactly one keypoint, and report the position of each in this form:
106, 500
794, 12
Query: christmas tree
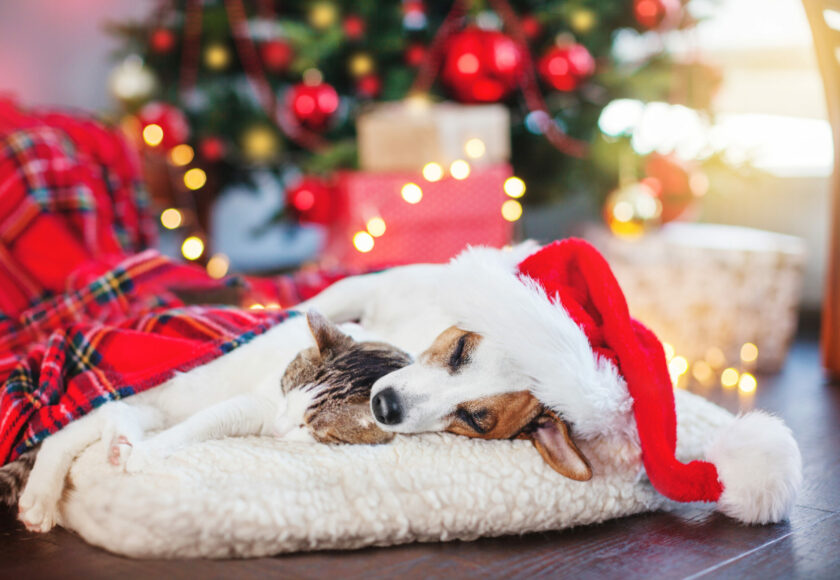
237, 85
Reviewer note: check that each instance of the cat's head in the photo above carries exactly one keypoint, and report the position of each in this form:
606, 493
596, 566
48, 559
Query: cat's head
327, 387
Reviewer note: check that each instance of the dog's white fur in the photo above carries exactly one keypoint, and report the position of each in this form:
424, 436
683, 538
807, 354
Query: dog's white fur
234, 395
530, 342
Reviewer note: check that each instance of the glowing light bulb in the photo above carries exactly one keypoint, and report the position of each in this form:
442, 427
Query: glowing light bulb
432, 172
181, 155
459, 169
376, 226
217, 266
412, 193
514, 187
195, 178
511, 210
749, 352
747, 383
171, 218
153, 134
474, 148
192, 248
363, 242
729, 378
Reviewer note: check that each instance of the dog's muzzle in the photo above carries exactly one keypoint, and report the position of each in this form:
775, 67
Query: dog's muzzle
386, 407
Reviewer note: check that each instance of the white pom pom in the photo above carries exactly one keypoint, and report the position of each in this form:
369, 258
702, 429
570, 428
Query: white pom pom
760, 467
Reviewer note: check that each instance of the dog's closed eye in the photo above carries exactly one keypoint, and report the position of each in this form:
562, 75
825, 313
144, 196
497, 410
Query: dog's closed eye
479, 420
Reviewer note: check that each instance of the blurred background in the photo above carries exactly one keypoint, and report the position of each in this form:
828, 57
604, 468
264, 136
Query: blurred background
276, 135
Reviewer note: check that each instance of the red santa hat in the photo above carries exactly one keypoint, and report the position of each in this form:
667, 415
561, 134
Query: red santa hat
753, 468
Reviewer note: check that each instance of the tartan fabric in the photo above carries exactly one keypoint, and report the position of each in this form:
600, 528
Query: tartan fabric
87, 313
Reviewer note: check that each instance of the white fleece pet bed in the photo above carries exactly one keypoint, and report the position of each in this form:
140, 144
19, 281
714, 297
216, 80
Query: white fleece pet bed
254, 496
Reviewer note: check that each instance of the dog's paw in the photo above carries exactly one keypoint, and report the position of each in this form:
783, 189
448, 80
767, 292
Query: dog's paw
119, 450
39, 510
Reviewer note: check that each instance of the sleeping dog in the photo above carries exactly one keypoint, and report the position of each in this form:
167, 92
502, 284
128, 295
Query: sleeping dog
304, 379
464, 381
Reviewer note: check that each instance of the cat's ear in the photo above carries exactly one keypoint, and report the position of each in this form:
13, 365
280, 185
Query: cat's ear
327, 335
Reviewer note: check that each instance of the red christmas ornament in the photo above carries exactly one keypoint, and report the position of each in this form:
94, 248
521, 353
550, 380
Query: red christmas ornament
481, 66
313, 105
677, 183
415, 54
565, 67
170, 119
211, 148
311, 200
661, 14
162, 40
369, 86
530, 26
354, 26
276, 55
413, 8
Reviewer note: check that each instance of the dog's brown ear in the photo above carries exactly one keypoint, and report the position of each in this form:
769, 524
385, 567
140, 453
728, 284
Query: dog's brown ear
550, 435
327, 335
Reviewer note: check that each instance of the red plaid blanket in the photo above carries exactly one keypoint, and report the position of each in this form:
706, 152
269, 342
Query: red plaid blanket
84, 318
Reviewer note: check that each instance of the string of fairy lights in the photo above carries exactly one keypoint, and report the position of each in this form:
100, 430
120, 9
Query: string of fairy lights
714, 368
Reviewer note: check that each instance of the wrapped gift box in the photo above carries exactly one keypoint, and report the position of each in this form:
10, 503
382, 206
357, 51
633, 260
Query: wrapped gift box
709, 289
451, 214
406, 135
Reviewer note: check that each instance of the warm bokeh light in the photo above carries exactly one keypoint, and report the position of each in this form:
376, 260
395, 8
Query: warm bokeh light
432, 172
623, 211
669, 350
511, 210
459, 169
747, 383
217, 266
361, 64
412, 193
257, 306
678, 365
715, 357
749, 352
514, 187
153, 134
363, 242
171, 218
729, 378
181, 155
217, 56
376, 226
701, 371
195, 178
474, 148
192, 248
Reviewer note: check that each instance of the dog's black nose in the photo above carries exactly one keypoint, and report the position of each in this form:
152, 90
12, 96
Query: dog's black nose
386, 407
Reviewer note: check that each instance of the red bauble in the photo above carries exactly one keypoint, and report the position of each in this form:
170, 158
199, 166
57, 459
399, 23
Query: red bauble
662, 14
481, 66
211, 149
311, 200
566, 67
162, 40
369, 86
354, 26
677, 184
276, 55
530, 26
170, 119
415, 54
413, 7
313, 105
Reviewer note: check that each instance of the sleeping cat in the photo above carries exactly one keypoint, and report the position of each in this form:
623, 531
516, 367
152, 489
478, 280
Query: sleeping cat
277, 384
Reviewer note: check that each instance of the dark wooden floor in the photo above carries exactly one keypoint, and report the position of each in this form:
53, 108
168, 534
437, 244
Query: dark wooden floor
690, 543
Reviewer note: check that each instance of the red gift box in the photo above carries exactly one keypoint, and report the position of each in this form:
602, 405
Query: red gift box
451, 214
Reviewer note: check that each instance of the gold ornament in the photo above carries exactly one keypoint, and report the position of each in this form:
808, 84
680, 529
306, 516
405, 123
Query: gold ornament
631, 210
217, 56
361, 64
260, 144
323, 15
582, 20
132, 82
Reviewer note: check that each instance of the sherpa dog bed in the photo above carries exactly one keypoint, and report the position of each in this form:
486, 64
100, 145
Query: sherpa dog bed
253, 497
